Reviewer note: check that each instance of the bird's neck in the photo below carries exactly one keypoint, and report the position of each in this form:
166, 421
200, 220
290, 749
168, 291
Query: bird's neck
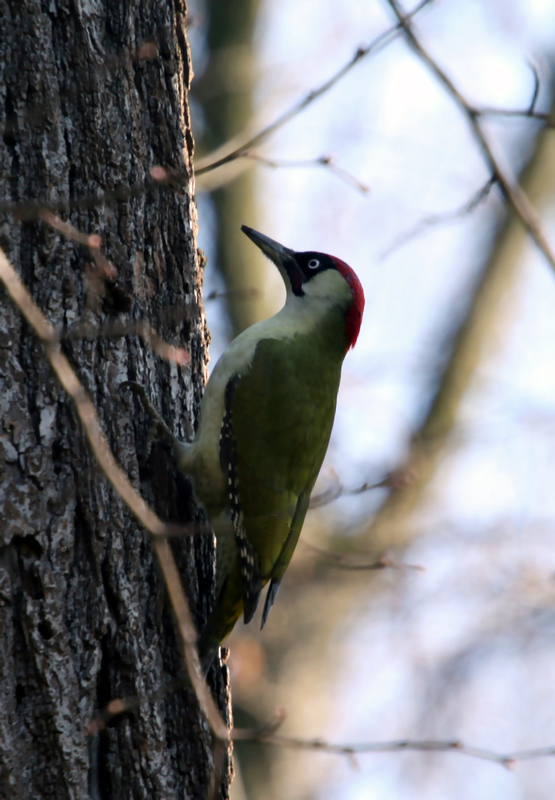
316, 317
321, 322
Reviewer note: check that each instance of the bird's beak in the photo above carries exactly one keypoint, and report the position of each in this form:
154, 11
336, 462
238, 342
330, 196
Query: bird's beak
283, 257
275, 251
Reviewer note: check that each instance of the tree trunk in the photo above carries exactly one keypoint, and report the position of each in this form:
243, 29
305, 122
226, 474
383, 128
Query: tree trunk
87, 105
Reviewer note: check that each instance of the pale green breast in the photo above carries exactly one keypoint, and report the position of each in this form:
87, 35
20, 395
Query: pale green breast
283, 412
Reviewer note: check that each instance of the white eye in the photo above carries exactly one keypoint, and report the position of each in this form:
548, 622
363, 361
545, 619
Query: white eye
313, 263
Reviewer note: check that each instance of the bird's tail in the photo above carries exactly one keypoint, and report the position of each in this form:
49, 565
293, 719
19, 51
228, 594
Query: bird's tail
224, 615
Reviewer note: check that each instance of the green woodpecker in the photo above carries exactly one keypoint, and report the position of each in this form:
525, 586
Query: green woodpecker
265, 423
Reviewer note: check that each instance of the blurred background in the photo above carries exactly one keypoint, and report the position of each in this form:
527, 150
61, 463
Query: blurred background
447, 399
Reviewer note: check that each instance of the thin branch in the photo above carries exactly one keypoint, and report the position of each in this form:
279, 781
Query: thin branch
508, 760
169, 352
103, 269
144, 514
106, 269
267, 734
322, 161
210, 163
509, 186
350, 562
160, 177
337, 491
440, 219
529, 112
141, 328
189, 638
92, 242
541, 116
536, 92
462, 350
123, 705
396, 479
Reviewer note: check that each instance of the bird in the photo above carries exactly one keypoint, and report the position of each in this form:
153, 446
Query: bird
265, 423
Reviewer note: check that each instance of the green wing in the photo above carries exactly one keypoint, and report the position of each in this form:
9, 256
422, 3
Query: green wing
282, 412
286, 553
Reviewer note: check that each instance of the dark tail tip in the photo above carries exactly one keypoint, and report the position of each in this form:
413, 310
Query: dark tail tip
270, 599
250, 604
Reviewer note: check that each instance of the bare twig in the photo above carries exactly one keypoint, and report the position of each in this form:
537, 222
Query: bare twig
145, 515
189, 638
528, 112
105, 268
462, 350
338, 490
396, 479
267, 734
540, 116
211, 162
92, 242
123, 705
536, 92
508, 760
350, 562
141, 328
160, 177
322, 161
440, 219
508, 184
266, 729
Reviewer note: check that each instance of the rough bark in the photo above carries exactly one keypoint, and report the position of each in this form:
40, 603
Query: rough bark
84, 616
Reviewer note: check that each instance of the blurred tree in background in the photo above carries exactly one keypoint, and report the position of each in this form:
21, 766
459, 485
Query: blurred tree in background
224, 92
452, 366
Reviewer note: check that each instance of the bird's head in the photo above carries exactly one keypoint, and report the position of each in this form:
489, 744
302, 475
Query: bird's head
316, 275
